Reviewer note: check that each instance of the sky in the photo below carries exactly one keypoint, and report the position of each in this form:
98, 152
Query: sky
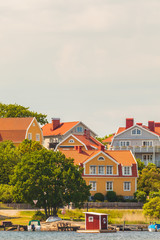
95, 61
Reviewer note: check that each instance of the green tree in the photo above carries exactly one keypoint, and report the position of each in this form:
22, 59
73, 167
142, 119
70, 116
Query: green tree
149, 179
6, 193
8, 160
152, 208
141, 196
141, 165
15, 110
50, 178
28, 146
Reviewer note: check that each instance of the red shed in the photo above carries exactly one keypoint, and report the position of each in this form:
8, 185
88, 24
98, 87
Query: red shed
96, 221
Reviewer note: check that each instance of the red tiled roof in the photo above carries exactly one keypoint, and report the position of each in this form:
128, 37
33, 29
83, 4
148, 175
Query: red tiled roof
61, 130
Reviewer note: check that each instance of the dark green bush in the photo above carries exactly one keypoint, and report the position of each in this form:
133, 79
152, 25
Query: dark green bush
39, 216
111, 196
140, 196
99, 197
120, 198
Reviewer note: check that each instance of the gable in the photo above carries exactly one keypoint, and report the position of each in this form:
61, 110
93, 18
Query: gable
127, 134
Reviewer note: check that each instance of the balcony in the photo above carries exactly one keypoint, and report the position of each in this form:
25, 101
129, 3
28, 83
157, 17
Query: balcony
137, 149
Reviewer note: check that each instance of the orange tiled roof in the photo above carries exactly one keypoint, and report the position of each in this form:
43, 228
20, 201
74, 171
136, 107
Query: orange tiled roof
15, 123
109, 139
123, 157
88, 141
61, 130
14, 129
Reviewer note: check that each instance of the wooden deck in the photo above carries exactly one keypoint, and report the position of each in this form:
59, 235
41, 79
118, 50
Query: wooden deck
97, 231
66, 227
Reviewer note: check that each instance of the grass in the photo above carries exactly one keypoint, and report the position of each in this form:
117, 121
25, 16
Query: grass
116, 216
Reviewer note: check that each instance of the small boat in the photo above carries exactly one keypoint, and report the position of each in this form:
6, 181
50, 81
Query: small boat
53, 219
34, 225
154, 227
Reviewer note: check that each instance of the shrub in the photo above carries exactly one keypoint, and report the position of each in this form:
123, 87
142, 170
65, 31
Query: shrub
111, 196
99, 197
120, 198
39, 216
6, 193
154, 194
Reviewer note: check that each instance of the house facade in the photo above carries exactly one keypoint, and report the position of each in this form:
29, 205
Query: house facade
57, 131
18, 129
107, 170
142, 140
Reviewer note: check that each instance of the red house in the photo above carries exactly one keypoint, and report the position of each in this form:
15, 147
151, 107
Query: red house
96, 221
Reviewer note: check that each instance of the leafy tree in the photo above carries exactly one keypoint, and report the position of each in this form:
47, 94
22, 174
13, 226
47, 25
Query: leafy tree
6, 193
141, 196
149, 179
50, 178
15, 110
141, 165
154, 194
8, 159
28, 146
152, 208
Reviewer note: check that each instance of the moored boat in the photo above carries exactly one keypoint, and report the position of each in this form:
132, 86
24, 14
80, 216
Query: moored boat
154, 227
34, 225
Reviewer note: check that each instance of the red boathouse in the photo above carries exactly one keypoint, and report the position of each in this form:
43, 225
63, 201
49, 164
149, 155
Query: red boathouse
96, 221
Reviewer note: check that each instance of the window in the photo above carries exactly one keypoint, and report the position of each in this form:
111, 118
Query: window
100, 169
147, 157
127, 170
33, 124
109, 186
90, 219
136, 131
71, 141
92, 170
147, 143
79, 129
127, 186
37, 137
29, 136
101, 158
93, 185
109, 170
124, 143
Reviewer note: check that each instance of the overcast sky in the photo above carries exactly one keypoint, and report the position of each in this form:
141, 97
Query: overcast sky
97, 61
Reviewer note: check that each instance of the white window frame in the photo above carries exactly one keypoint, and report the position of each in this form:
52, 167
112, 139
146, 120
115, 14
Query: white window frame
110, 183
124, 143
99, 167
149, 143
29, 136
136, 129
127, 170
149, 157
71, 141
127, 186
93, 185
90, 169
90, 219
110, 170
37, 137
101, 158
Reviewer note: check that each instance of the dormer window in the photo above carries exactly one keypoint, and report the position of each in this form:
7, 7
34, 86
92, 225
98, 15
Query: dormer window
71, 141
136, 131
127, 170
101, 158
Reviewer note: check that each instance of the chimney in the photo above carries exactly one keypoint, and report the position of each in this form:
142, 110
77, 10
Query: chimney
140, 124
101, 147
79, 149
151, 125
55, 123
87, 133
129, 122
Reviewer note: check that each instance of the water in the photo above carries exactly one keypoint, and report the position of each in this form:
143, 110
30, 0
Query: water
79, 236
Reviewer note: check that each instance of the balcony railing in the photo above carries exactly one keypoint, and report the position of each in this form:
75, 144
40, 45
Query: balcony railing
137, 149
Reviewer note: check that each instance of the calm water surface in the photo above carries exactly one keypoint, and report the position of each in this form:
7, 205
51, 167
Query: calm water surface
78, 236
